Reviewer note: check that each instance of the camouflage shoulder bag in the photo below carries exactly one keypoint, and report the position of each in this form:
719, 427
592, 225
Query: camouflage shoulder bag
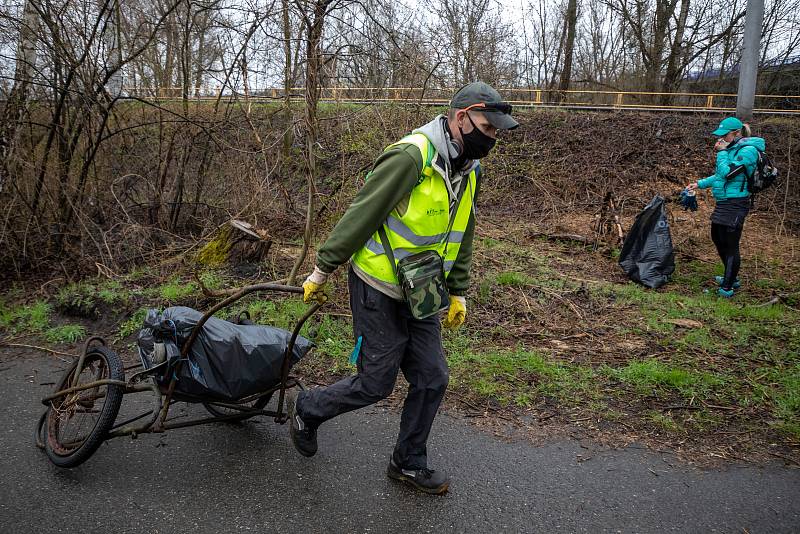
422, 281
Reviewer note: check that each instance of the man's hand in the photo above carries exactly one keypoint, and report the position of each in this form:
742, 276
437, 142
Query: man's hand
456, 313
314, 287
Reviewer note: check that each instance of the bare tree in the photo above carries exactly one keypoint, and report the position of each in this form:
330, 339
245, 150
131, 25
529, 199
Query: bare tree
471, 36
570, 22
313, 14
16, 101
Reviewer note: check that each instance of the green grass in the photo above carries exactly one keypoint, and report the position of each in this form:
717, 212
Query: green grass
518, 377
662, 420
212, 279
484, 291
175, 291
513, 279
726, 326
82, 298
112, 292
279, 313
138, 273
77, 299
781, 388
25, 318
133, 324
70, 333
334, 337
651, 376
489, 243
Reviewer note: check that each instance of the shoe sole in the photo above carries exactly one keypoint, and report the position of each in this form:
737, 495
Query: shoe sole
292, 397
441, 490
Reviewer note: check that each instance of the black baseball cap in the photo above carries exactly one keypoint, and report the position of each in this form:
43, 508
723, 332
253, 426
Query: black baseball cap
480, 96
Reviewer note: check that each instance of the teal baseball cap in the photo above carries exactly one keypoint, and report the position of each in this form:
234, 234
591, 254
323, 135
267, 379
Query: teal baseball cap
728, 124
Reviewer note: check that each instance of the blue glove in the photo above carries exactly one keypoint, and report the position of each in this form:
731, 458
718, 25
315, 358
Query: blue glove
688, 200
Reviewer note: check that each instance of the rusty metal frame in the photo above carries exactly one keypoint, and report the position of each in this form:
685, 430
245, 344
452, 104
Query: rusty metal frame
157, 421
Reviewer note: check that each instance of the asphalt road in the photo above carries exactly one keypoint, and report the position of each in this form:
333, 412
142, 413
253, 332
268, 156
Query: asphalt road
222, 478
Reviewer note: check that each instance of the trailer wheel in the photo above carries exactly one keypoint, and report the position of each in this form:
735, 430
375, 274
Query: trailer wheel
77, 423
221, 411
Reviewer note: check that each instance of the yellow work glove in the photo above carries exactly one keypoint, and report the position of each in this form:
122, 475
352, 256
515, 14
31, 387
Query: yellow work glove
314, 287
456, 313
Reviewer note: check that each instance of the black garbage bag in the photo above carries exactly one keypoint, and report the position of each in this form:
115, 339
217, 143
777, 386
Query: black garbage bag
647, 256
227, 361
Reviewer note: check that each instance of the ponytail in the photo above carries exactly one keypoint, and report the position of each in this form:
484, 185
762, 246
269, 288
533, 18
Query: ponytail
746, 130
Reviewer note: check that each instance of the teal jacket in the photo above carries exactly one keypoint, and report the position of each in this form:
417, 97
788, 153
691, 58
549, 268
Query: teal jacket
743, 152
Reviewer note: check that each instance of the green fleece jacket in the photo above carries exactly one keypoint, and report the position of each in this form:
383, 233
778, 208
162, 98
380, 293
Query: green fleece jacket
394, 176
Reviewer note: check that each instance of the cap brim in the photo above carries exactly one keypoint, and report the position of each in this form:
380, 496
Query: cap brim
720, 131
501, 121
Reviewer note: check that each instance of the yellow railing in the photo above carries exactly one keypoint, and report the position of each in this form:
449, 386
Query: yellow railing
526, 97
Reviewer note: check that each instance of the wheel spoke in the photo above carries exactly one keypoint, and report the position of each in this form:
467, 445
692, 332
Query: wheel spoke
79, 408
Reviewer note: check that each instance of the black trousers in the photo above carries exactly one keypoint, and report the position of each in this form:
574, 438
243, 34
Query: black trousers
726, 239
392, 340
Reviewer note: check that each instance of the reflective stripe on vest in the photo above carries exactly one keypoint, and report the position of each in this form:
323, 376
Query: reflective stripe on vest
424, 224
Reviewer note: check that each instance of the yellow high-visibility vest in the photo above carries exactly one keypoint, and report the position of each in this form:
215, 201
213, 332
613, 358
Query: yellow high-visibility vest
424, 224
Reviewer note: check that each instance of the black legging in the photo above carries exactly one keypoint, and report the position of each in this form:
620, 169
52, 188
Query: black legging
726, 239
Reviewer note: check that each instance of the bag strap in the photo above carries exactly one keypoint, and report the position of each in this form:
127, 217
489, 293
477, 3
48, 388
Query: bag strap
760, 155
458, 204
385, 239
387, 248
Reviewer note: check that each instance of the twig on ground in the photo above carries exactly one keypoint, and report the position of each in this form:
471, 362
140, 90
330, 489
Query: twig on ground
770, 302
35, 347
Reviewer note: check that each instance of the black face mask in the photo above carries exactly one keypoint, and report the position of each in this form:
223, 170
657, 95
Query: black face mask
477, 144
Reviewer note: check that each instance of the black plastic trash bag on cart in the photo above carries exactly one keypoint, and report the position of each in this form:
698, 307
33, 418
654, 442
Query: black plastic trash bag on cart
647, 256
227, 361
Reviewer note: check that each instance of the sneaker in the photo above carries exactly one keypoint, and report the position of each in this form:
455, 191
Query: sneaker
725, 293
720, 279
426, 480
303, 436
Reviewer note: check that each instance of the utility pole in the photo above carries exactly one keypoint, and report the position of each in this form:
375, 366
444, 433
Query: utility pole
748, 67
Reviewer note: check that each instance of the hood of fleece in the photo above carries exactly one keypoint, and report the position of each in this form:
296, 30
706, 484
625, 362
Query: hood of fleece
435, 131
756, 142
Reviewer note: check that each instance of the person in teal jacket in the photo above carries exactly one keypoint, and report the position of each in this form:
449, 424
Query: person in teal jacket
737, 156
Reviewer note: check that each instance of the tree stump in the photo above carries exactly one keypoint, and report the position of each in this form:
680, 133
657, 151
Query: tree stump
236, 243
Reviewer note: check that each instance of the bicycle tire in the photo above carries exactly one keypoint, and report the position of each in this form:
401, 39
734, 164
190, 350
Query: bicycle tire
258, 404
56, 451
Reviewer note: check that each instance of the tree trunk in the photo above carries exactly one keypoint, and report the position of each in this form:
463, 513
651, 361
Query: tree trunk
664, 12
287, 81
186, 59
313, 63
112, 38
200, 58
676, 56
570, 21
17, 98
